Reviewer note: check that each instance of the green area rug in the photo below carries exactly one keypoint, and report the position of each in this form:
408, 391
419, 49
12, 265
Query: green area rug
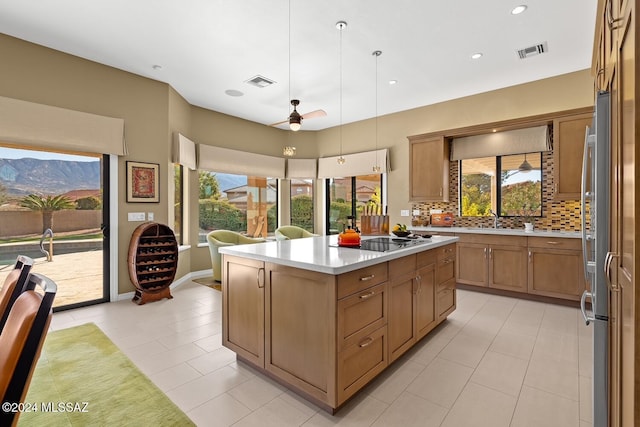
83, 379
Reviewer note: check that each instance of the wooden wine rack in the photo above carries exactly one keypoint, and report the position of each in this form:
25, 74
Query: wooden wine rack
153, 260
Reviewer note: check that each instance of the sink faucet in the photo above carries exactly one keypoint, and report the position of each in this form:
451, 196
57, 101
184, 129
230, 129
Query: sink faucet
496, 220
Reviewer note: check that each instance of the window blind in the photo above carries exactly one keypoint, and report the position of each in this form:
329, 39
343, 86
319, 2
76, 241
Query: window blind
355, 164
225, 160
302, 168
45, 126
519, 141
184, 151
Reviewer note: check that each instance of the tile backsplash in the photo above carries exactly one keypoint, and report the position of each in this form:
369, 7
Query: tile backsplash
556, 215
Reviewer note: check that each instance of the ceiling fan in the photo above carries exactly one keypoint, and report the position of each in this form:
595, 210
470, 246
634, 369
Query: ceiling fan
295, 118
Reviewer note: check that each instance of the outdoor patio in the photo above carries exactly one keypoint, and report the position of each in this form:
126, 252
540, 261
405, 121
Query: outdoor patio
78, 275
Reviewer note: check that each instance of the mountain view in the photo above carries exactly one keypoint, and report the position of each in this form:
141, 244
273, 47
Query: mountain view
21, 177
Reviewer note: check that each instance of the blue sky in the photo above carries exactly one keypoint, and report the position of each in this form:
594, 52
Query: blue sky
14, 153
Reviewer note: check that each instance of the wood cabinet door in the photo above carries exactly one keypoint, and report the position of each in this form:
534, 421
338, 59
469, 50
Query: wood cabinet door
402, 312
429, 170
300, 329
243, 307
508, 268
568, 146
426, 318
625, 137
472, 264
556, 273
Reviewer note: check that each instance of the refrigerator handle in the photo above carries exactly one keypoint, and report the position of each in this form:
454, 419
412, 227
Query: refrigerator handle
583, 202
583, 300
607, 271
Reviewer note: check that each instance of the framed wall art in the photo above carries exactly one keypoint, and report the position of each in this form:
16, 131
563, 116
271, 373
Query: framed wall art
142, 182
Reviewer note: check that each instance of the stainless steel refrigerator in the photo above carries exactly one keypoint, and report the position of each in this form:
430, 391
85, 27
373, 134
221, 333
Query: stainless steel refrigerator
595, 246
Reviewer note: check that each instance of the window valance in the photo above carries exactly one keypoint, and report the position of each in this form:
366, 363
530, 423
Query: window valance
355, 164
302, 168
45, 126
184, 151
519, 141
225, 160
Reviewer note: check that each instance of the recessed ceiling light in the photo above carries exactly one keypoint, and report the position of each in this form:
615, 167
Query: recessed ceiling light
393, 82
233, 92
519, 9
476, 55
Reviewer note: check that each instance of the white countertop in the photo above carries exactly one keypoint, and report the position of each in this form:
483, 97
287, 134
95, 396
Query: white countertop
316, 254
501, 231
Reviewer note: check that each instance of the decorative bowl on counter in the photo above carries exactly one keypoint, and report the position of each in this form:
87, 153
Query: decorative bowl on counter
401, 233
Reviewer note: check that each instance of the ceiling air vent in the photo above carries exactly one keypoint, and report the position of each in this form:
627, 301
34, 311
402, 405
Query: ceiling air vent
533, 50
259, 81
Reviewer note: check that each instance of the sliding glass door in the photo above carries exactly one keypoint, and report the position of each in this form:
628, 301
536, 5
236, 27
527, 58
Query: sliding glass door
54, 209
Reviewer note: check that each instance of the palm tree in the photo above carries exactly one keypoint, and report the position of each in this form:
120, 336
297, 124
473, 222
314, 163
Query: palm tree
47, 205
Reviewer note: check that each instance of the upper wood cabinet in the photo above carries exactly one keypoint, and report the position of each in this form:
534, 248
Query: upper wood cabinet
568, 146
429, 169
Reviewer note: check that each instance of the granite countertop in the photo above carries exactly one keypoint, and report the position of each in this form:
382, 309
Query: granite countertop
321, 254
500, 231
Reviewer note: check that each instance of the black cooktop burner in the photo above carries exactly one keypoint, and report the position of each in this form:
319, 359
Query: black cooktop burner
387, 244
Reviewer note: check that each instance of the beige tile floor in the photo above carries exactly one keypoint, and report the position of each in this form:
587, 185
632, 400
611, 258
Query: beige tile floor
495, 362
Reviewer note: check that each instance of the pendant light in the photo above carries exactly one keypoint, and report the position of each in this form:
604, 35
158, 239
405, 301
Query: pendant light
341, 25
525, 166
376, 167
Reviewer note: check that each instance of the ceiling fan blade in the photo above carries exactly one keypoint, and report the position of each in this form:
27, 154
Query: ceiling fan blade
312, 114
279, 123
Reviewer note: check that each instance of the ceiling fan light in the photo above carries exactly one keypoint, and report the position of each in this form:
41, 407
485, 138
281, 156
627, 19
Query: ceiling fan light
294, 126
525, 166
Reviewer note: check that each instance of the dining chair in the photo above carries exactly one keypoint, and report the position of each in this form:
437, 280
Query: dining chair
13, 286
21, 342
219, 238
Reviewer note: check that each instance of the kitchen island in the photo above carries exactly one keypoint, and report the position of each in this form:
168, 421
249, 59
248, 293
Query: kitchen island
325, 320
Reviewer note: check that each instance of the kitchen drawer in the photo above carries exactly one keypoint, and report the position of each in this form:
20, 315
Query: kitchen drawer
361, 313
446, 299
448, 251
360, 363
357, 280
446, 269
426, 258
402, 266
555, 243
492, 239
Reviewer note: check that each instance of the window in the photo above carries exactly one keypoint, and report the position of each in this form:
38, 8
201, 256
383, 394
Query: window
513, 183
347, 197
178, 201
246, 204
302, 203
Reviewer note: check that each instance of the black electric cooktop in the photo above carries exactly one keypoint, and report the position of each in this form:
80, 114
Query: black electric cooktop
387, 244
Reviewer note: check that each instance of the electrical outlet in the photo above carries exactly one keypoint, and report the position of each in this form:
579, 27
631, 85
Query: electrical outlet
435, 211
404, 212
150, 216
416, 212
136, 216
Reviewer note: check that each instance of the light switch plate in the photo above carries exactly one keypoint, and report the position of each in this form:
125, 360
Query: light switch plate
435, 211
416, 212
404, 212
150, 216
136, 216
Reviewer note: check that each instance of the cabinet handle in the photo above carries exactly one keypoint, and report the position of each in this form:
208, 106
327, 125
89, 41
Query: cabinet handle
610, 19
485, 253
366, 278
419, 280
440, 191
368, 295
490, 252
551, 242
529, 256
555, 187
366, 342
260, 277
